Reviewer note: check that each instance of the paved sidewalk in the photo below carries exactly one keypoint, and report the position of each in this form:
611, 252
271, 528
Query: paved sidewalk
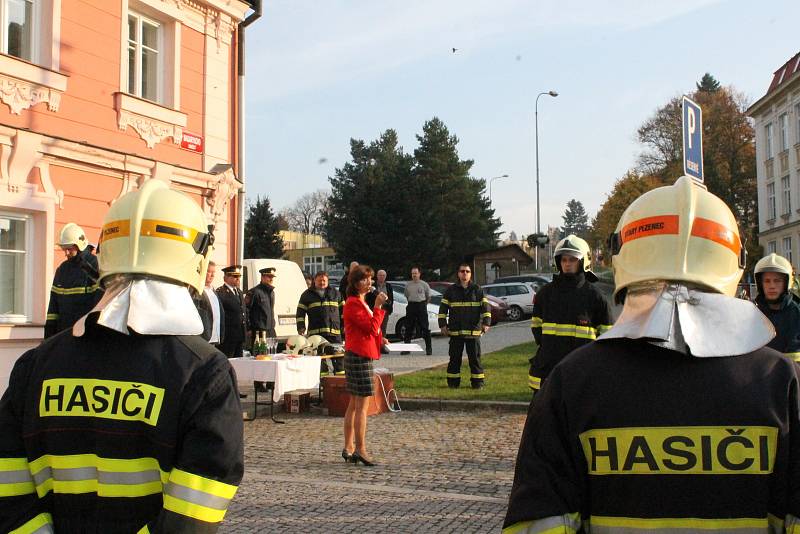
439, 472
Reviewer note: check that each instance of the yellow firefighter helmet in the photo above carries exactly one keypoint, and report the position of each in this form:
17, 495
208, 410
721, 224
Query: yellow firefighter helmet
576, 247
72, 234
158, 232
772, 263
680, 233
295, 344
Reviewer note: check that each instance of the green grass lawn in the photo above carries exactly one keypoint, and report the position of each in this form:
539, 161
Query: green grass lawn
506, 379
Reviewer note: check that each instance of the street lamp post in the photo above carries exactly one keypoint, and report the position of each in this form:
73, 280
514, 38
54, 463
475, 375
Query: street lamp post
490, 184
538, 210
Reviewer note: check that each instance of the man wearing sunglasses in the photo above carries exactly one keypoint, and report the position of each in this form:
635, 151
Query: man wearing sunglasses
464, 315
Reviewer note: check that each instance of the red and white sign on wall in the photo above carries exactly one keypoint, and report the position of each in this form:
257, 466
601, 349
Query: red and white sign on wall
193, 142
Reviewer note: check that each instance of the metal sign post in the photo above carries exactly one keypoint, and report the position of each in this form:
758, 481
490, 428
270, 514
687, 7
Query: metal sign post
692, 139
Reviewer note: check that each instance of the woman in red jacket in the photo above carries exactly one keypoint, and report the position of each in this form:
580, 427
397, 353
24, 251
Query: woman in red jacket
363, 341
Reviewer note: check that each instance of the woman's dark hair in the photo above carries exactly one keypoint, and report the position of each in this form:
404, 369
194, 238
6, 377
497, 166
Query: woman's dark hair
355, 276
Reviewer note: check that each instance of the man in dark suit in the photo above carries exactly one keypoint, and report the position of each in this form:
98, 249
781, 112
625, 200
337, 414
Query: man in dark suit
231, 300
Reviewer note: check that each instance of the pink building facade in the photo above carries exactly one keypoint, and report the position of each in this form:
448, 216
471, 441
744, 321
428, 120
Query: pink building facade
96, 97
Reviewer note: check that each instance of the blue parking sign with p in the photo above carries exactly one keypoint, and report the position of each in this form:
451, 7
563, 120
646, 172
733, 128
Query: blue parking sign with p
692, 139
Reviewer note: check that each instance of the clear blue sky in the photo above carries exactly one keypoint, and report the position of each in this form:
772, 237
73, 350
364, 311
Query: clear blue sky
319, 73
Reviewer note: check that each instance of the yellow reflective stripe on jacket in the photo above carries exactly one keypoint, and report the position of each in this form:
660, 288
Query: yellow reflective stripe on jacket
793, 355
486, 314
478, 375
301, 306
562, 524
41, 524
445, 302
324, 330
534, 382
198, 497
89, 473
536, 322
333, 303
792, 524
465, 304
569, 330
603, 328
51, 317
465, 332
609, 525
144, 530
453, 375
15, 477
441, 316
75, 290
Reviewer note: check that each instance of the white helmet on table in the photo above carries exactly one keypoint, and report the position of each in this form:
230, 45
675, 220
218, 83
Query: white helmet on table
295, 344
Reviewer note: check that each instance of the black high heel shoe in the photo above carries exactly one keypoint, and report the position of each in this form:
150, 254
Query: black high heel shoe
355, 458
347, 456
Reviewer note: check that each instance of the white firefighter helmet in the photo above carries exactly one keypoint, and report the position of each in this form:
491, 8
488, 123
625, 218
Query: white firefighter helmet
576, 247
295, 344
315, 345
678, 233
772, 263
72, 234
158, 232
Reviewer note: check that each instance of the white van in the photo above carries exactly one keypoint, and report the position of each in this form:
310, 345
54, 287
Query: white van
289, 283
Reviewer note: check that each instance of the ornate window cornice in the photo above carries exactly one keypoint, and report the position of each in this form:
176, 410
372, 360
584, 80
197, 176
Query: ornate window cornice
24, 84
152, 122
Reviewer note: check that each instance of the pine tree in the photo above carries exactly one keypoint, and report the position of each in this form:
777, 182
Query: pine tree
708, 83
261, 237
576, 221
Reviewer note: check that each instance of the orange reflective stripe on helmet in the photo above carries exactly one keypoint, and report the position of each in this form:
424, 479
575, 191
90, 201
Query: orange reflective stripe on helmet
717, 233
650, 226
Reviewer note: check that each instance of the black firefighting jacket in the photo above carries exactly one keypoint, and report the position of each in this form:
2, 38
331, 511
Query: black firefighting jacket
629, 437
116, 433
324, 314
261, 307
786, 321
74, 293
567, 313
464, 310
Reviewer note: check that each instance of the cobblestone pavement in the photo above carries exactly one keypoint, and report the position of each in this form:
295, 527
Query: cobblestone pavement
438, 472
500, 336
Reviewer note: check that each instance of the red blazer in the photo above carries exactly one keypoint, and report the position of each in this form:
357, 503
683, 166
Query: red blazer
362, 332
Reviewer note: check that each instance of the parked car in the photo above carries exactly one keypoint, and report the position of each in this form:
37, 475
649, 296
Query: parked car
518, 296
397, 320
498, 307
537, 280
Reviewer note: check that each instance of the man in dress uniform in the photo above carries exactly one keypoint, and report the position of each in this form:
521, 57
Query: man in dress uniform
232, 300
261, 307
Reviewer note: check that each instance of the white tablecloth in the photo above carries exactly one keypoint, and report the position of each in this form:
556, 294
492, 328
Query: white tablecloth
288, 375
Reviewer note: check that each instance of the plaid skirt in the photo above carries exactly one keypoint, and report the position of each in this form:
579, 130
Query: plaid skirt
358, 375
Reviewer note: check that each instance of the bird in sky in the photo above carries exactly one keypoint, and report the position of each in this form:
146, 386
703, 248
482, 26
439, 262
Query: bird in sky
322, 160
454, 50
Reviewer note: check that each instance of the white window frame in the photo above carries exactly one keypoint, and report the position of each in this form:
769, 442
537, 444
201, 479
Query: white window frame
36, 24
771, 207
160, 81
768, 141
787, 249
783, 124
786, 195
772, 247
27, 271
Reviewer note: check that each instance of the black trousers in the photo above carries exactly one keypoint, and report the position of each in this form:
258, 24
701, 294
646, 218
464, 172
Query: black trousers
231, 347
473, 346
417, 318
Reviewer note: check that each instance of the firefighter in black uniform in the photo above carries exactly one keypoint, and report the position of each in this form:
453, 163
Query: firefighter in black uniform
323, 305
231, 299
775, 300
261, 304
568, 312
677, 419
464, 315
130, 421
75, 290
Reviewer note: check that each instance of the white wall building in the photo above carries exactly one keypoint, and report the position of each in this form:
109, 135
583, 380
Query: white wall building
777, 129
